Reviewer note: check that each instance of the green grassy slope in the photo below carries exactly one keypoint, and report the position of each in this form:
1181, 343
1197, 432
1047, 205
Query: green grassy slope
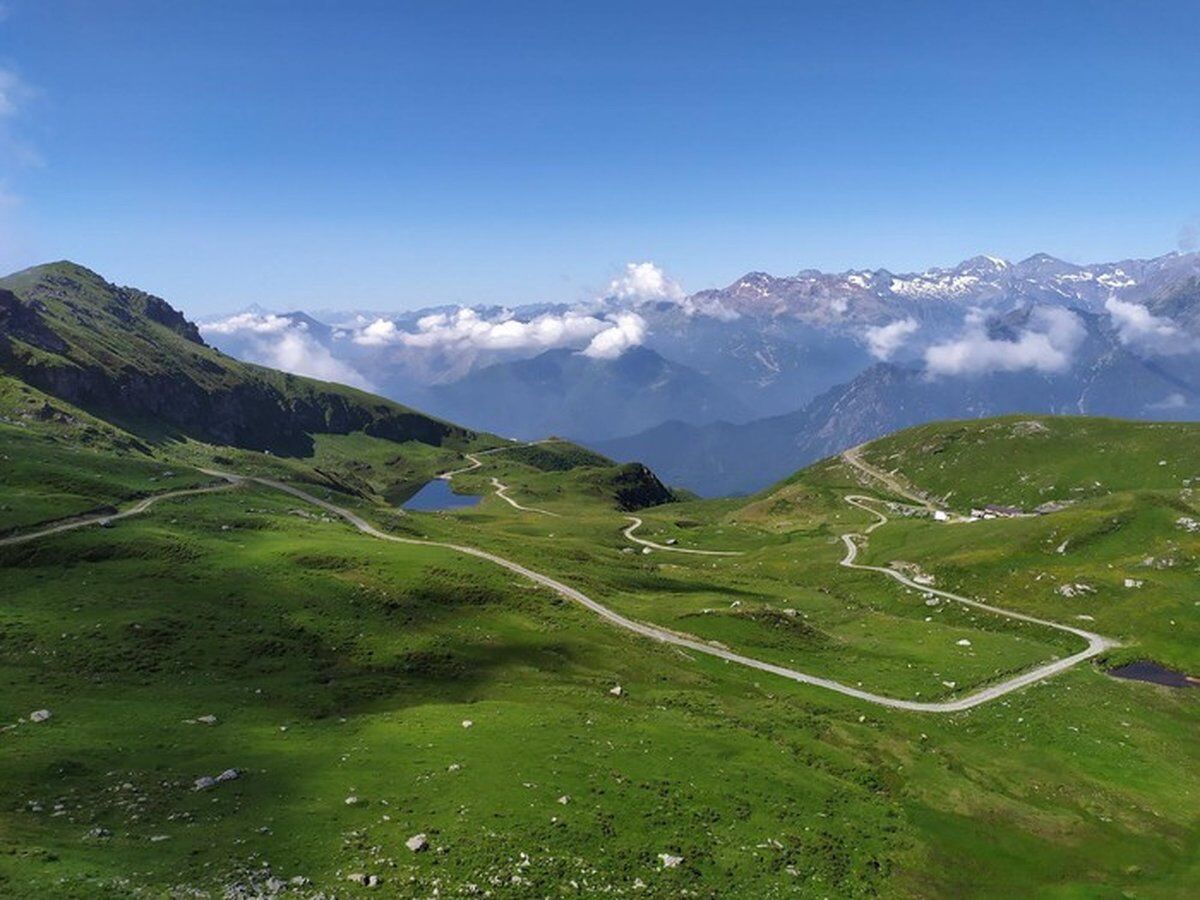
340, 667
131, 359
1025, 461
1123, 555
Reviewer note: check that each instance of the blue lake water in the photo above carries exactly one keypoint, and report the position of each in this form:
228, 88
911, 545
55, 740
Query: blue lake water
437, 495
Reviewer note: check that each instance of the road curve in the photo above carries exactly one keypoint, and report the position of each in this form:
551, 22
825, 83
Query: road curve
502, 493
853, 456
1096, 643
637, 523
140, 507
501, 489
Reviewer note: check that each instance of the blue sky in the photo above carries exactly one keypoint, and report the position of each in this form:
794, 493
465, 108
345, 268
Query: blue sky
392, 155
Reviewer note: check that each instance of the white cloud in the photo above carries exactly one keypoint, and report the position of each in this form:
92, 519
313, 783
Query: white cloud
298, 352
644, 282
626, 330
281, 343
466, 330
884, 340
1140, 329
251, 323
1047, 345
1174, 400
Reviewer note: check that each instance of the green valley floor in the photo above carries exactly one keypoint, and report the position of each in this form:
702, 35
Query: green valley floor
247, 695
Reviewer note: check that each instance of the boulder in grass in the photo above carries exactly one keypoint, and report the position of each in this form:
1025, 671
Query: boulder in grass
230, 775
669, 861
617, 691
40, 715
204, 783
418, 843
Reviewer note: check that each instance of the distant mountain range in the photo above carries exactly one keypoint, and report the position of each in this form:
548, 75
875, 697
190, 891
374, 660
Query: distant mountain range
564, 392
724, 390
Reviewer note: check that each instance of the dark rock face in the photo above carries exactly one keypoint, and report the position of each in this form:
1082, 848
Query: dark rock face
637, 488
24, 322
158, 310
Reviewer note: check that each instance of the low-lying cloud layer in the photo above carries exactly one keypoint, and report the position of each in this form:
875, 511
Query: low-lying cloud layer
1047, 344
625, 330
884, 340
282, 343
1141, 330
466, 330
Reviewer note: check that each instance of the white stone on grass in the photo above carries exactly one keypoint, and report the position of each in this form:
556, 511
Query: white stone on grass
417, 843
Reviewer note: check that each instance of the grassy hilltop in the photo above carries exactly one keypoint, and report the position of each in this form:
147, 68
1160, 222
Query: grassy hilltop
367, 691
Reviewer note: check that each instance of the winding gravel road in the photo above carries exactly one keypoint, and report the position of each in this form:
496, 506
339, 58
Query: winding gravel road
501, 489
637, 523
140, 507
1095, 643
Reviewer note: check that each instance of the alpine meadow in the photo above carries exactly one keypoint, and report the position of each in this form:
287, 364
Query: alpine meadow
425, 539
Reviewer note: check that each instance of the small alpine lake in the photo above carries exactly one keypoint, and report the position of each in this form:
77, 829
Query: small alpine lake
438, 495
1145, 670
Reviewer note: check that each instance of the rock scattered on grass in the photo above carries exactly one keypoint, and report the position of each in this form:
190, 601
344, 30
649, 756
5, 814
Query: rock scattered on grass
669, 861
40, 715
964, 643
617, 691
206, 782
418, 843
467, 723
365, 880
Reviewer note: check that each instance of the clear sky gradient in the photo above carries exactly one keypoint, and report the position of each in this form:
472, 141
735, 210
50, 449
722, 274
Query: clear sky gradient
393, 155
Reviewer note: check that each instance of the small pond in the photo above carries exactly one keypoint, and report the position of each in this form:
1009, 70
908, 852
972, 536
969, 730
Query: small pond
436, 495
1144, 670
